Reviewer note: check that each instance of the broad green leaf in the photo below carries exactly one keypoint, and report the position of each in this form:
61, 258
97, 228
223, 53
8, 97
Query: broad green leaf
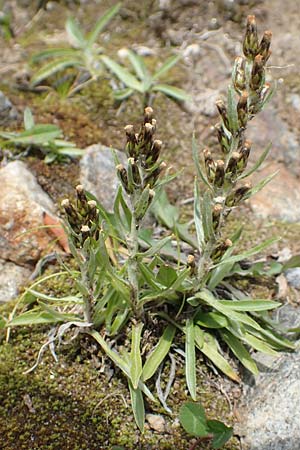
232, 110
172, 91
122, 73
250, 305
190, 358
170, 62
75, 35
257, 164
28, 119
137, 404
221, 433
239, 350
211, 320
166, 275
101, 23
198, 218
159, 353
51, 68
192, 418
135, 355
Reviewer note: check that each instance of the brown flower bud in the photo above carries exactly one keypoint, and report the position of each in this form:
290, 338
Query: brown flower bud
190, 262
155, 150
122, 174
239, 75
223, 112
238, 195
244, 153
242, 109
250, 44
209, 165
220, 250
257, 74
148, 114
231, 168
223, 138
131, 146
264, 46
220, 173
85, 232
93, 212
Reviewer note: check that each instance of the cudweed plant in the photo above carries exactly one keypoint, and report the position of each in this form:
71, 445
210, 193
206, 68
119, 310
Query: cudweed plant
125, 283
83, 54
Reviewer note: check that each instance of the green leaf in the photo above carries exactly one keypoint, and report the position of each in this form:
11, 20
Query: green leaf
166, 275
206, 215
239, 350
192, 418
170, 62
258, 344
190, 358
232, 110
37, 316
156, 247
122, 94
71, 151
198, 218
137, 404
2, 323
250, 305
75, 34
101, 23
123, 74
211, 320
51, 68
221, 433
258, 163
40, 134
172, 91
28, 119
293, 262
139, 66
135, 355
68, 53
159, 353
261, 185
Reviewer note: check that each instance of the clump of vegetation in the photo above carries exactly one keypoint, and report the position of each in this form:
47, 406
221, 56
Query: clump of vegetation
83, 53
44, 137
130, 284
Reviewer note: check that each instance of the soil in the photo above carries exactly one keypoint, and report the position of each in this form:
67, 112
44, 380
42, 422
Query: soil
77, 403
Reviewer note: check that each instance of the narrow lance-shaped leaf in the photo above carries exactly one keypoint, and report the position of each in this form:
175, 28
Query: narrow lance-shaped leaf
154, 360
51, 68
28, 119
74, 33
137, 404
239, 351
197, 162
172, 91
190, 358
166, 66
135, 355
101, 23
122, 73
198, 218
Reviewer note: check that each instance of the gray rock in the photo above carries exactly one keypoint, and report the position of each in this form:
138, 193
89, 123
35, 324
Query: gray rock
12, 277
22, 204
8, 112
98, 173
293, 277
271, 414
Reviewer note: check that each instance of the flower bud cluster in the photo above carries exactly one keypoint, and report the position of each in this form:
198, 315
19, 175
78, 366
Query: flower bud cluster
143, 165
82, 216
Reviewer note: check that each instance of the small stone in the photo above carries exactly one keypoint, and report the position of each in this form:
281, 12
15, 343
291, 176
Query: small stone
293, 277
12, 277
156, 422
98, 173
